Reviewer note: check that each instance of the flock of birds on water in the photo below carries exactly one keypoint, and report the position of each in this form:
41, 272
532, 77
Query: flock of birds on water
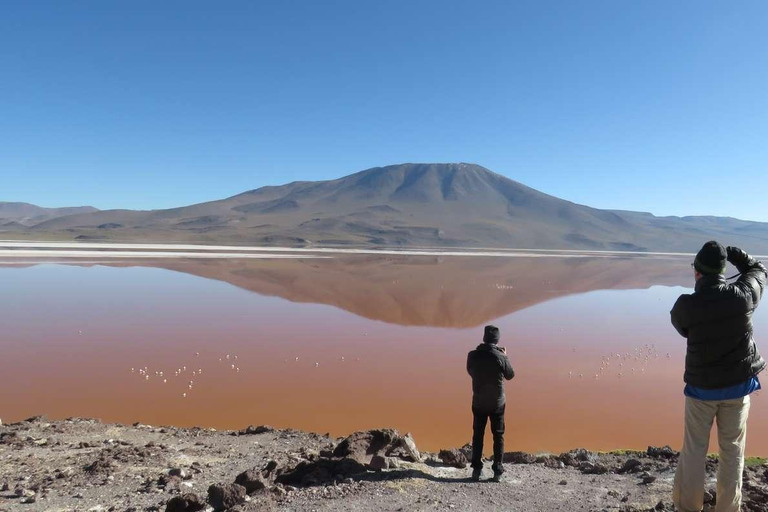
229, 360
146, 373
626, 364
615, 363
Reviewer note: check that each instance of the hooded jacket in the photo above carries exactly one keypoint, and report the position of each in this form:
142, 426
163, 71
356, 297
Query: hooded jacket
488, 366
717, 321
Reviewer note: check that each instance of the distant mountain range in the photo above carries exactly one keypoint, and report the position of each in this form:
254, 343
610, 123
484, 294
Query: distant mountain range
425, 205
25, 215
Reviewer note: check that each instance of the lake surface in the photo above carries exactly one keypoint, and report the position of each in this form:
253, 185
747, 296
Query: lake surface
354, 342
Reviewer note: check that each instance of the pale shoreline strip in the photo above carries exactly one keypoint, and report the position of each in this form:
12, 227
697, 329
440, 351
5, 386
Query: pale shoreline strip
11, 254
76, 248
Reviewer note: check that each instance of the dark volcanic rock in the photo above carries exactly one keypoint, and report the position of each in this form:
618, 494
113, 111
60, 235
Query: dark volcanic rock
630, 466
179, 473
99, 466
251, 430
252, 480
519, 458
592, 468
454, 458
467, 450
222, 497
378, 462
550, 461
269, 469
10, 438
664, 452
168, 481
575, 457
185, 503
363, 445
109, 457
404, 447
321, 471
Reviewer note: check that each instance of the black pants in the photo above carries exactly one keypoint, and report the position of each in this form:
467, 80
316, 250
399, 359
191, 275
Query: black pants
497, 429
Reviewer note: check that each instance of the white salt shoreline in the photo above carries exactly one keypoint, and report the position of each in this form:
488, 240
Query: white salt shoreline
32, 249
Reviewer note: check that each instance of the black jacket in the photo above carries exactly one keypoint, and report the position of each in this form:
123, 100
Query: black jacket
488, 366
717, 320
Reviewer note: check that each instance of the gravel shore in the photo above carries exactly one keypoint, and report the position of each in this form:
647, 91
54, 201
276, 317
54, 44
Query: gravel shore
83, 464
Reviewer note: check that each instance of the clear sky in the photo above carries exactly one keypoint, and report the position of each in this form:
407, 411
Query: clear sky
646, 105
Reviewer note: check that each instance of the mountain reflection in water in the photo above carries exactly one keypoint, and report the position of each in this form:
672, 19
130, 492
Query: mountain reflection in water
433, 291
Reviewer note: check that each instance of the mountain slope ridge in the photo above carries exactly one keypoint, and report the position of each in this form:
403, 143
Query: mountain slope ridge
412, 204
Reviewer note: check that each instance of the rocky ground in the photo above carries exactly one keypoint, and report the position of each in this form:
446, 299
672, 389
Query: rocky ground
82, 464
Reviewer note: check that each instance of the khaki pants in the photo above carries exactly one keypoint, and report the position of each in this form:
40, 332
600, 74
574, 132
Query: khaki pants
731, 417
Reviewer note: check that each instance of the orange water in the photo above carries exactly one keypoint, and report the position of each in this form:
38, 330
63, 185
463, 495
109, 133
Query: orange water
72, 334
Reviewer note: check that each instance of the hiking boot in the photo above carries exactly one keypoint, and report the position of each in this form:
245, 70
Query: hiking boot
476, 474
496, 477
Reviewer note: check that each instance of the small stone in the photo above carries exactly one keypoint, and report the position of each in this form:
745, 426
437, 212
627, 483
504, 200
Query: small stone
23, 493
179, 472
648, 479
563, 482
167, 481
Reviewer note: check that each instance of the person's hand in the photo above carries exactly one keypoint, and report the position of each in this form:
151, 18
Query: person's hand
503, 350
734, 254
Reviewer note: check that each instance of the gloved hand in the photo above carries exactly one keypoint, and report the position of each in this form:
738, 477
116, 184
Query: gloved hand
736, 256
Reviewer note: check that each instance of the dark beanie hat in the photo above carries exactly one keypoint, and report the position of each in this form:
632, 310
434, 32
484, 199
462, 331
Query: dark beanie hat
710, 259
491, 334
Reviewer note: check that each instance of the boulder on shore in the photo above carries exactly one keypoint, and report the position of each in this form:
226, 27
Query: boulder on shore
222, 497
364, 445
454, 458
252, 480
189, 502
321, 471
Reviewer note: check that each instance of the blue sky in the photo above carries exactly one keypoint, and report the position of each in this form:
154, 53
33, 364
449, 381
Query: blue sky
646, 105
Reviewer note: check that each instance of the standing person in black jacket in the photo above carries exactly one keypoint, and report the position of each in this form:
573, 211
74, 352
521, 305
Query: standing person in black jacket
488, 366
721, 367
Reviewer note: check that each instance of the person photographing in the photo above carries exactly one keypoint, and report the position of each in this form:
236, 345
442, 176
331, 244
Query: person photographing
489, 366
722, 364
